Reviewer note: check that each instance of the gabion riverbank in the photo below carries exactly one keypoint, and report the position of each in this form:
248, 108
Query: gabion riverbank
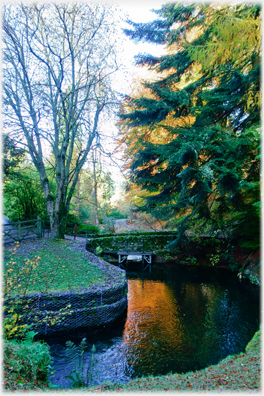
57, 312
64, 311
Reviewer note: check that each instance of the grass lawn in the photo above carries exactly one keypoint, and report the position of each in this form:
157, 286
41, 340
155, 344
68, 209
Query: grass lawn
50, 265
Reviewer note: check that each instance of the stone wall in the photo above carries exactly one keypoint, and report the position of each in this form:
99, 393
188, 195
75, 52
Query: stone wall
147, 241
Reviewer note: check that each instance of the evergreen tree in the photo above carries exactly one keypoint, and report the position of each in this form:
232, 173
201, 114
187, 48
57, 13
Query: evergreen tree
209, 103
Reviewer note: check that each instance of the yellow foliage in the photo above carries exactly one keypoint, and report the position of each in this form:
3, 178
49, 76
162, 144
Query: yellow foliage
233, 39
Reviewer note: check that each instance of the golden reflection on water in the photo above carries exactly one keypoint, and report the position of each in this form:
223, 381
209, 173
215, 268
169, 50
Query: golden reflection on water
180, 324
162, 321
153, 314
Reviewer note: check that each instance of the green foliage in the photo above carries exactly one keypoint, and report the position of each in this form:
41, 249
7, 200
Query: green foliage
192, 260
83, 202
26, 363
23, 195
12, 156
80, 376
108, 225
248, 228
73, 220
206, 164
98, 250
89, 228
228, 256
17, 280
248, 274
116, 213
214, 259
254, 279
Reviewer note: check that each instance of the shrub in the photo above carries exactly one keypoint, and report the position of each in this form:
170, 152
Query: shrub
72, 219
90, 229
108, 225
26, 363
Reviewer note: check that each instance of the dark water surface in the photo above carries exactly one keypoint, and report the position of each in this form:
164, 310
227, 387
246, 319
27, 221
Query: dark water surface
179, 320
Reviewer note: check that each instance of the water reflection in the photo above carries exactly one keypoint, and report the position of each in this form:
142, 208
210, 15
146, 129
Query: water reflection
153, 327
180, 321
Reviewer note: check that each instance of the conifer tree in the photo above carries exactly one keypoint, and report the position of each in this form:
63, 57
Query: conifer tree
209, 103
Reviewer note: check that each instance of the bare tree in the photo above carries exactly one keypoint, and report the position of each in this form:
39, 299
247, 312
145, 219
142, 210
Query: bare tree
58, 61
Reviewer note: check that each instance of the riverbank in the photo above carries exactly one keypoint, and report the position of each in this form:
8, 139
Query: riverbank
61, 287
240, 372
223, 376
237, 373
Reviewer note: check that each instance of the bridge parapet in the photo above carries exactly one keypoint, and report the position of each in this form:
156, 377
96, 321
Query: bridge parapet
133, 242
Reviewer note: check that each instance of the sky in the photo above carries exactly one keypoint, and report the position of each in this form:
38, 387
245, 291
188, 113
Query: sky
137, 11
140, 12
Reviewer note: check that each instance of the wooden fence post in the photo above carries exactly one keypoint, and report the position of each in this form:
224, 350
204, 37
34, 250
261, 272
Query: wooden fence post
75, 230
19, 231
38, 227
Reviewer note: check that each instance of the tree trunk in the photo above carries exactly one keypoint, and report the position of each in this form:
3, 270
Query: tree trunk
78, 197
59, 220
96, 220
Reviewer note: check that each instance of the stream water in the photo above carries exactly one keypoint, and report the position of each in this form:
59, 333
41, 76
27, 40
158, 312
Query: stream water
178, 320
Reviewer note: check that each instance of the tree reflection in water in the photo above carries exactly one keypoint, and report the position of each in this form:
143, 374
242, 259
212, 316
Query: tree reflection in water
179, 321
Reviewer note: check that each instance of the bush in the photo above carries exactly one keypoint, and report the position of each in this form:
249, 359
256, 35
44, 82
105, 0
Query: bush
26, 363
115, 213
108, 225
72, 219
90, 229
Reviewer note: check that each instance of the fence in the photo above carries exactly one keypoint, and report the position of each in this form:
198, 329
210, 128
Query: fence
21, 230
73, 231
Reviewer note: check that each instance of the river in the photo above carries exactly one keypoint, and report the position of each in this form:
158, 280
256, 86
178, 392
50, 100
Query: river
178, 320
